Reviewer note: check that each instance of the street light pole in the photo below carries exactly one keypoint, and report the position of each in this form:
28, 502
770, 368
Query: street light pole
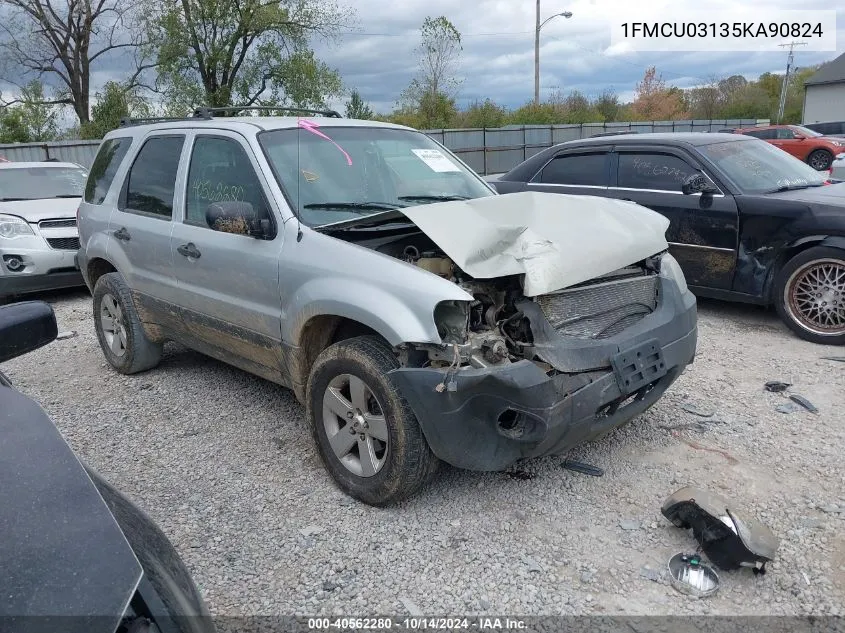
537, 58
540, 25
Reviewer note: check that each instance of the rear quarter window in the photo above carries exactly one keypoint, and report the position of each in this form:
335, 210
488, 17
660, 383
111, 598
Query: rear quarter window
106, 164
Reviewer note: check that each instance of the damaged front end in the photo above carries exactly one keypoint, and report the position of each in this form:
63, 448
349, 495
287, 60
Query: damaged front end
549, 355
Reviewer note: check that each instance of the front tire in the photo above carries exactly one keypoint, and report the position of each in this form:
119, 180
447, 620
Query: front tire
366, 433
810, 295
820, 160
119, 329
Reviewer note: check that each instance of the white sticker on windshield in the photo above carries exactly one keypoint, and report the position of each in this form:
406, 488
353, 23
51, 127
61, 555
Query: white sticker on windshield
436, 160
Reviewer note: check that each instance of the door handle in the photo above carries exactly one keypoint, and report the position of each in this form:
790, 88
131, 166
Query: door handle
189, 250
122, 234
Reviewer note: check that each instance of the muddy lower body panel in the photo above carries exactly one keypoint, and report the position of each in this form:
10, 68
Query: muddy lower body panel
490, 418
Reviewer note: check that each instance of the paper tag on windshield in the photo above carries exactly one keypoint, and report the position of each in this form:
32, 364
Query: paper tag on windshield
436, 160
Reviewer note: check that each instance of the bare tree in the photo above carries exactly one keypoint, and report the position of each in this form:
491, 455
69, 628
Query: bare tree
60, 41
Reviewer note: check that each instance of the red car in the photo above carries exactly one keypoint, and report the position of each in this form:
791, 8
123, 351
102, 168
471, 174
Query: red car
815, 149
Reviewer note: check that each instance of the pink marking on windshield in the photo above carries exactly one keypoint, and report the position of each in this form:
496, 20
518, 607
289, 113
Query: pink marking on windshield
312, 127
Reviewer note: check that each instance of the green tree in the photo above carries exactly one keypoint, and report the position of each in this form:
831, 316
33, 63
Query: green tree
608, 106
66, 41
357, 108
30, 118
483, 114
243, 52
535, 114
432, 92
113, 103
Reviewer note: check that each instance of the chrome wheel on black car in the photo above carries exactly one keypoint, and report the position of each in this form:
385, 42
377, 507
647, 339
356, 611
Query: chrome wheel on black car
811, 295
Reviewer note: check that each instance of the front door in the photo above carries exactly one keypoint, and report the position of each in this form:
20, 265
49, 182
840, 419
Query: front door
703, 229
790, 142
228, 282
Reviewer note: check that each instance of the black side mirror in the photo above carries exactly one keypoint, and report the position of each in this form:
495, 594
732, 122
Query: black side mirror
25, 327
238, 218
698, 183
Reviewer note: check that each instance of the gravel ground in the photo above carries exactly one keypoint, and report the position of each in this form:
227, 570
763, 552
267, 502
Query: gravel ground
222, 461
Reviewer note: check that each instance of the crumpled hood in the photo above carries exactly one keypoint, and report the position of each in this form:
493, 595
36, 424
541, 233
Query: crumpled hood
37, 210
555, 240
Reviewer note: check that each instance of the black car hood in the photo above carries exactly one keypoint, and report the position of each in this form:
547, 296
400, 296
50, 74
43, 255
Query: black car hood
66, 565
826, 194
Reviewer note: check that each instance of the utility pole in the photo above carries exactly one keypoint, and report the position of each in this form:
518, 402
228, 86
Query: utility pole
785, 84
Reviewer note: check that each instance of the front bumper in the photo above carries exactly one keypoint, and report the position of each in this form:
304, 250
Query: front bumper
41, 267
496, 416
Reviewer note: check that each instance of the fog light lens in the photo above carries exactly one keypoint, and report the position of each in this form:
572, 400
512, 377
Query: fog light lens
13, 263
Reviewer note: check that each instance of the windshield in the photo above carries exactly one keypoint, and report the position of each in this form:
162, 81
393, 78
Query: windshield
805, 130
759, 167
331, 174
41, 183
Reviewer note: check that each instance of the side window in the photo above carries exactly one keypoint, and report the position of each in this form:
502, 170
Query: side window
152, 178
766, 135
785, 134
653, 171
102, 173
577, 169
220, 171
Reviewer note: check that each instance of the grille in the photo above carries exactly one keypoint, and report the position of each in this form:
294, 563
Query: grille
64, 243
601, 310
57, 224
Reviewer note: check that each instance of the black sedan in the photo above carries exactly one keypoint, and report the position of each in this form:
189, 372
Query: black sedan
748, 222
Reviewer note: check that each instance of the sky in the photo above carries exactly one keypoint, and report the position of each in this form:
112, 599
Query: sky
377, 55
497, 60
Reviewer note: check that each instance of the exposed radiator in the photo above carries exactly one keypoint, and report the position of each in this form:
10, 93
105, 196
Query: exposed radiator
601, 310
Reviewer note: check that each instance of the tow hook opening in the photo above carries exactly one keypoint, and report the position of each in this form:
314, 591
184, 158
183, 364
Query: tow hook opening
511, 423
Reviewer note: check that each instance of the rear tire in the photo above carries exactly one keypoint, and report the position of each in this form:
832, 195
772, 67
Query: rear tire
119, 329
366, 433
820, 160
810, 295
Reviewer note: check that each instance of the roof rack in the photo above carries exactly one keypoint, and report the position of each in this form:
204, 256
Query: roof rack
129, 121
208, 113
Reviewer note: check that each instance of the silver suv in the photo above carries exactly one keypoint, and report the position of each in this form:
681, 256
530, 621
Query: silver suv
416, 314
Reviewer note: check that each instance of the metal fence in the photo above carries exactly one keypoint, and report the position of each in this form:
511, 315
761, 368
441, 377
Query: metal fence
497, 150
486, 150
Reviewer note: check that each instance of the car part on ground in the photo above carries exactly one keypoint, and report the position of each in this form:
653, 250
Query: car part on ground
109, 567
737, 232
690, 576
364, 266
725, 535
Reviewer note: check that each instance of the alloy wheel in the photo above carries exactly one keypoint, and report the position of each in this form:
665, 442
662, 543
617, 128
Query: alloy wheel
815, 297
113, 325
355, 425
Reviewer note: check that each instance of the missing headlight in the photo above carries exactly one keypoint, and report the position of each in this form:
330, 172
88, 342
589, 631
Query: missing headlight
452, 320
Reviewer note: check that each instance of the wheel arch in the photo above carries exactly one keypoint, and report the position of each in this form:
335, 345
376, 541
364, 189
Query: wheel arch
316, 334
794, 248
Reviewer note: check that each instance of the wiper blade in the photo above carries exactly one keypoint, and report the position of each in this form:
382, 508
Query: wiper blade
14, 199
68, 195
355, 206
434, 198
789, 188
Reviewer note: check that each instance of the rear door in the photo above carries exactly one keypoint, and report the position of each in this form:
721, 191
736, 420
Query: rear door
579, 170
228, 283
703, 229
140, 228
